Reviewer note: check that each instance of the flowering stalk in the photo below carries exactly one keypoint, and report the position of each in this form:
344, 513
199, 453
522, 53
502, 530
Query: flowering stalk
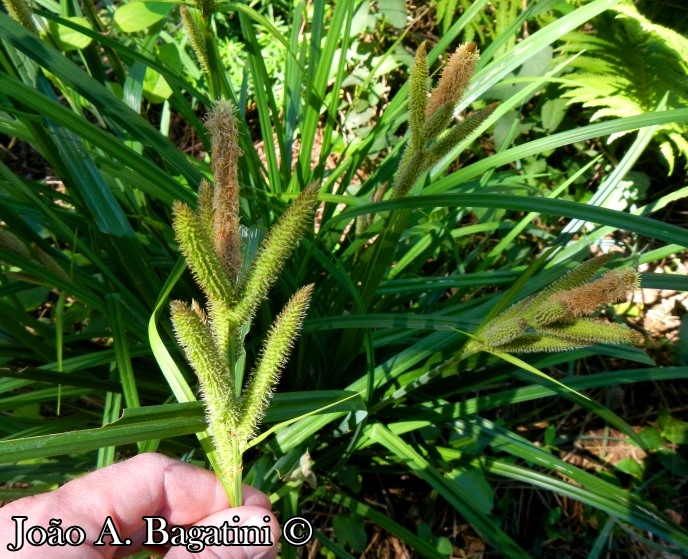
430, 135
194, 27
199, 28
213, 339
21, 12
555, 319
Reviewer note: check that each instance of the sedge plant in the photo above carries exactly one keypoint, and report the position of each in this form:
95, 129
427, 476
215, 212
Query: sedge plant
213, 338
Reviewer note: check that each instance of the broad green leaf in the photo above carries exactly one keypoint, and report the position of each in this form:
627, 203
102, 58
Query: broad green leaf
394, 12
631, 467
68, 38
349, 531
652, 438
155, 88
674, 430
553, 112
137, 16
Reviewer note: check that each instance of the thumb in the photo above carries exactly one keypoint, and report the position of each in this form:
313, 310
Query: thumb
247, 532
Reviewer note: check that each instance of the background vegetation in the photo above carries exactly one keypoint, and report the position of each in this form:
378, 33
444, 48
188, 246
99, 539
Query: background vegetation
577, 454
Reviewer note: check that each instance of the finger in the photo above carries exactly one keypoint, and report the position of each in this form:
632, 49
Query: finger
146, 485
249, 532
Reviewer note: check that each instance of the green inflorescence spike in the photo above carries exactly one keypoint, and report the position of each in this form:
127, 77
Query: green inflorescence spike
554, 319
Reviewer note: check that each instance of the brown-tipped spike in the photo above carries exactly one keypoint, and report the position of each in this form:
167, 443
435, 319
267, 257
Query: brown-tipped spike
455, 77
222, 125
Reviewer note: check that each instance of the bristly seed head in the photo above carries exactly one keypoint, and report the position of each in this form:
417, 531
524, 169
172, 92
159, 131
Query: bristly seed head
553, 320
224, 133
611, 288
455, 78
21, 12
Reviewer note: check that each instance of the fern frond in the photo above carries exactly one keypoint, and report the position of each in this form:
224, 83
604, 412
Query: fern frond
626, 69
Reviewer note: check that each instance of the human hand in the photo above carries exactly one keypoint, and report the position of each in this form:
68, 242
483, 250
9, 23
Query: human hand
113, 501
